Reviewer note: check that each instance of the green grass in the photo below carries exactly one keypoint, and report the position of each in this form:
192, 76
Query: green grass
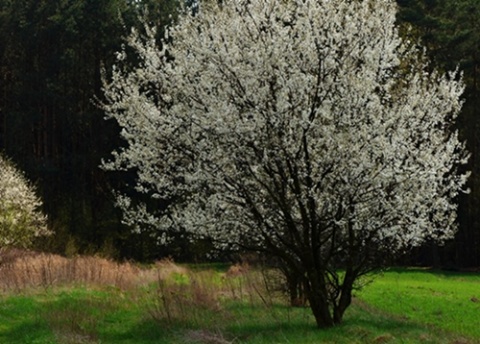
400, 306
360, 326
78, 315
446, 300
19, 321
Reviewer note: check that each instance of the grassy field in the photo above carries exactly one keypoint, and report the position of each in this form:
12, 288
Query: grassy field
89, 300
445, 300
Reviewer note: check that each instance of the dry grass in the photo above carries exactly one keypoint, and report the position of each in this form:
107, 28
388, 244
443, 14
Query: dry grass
21, 270
183, 297
165, 268
177, 290
205, 337
174, 296
180, 296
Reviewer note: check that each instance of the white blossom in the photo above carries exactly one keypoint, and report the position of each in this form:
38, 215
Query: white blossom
304, 128
250, 88
21, 218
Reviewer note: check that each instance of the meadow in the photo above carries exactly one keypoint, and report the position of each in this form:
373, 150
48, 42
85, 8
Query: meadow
51, 299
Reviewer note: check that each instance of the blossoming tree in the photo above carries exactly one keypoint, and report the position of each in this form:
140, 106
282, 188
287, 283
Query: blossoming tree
304, 129
21, 219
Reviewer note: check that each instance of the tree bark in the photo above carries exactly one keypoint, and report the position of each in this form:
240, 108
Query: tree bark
317, 295
327, 311
345, 298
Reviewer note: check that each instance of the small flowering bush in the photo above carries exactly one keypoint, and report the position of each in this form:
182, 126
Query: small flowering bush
21, 218
307, 130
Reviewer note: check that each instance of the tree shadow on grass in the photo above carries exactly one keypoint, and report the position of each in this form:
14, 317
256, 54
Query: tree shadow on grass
64, 319
145, 331
376, 324
28, 332
362, 325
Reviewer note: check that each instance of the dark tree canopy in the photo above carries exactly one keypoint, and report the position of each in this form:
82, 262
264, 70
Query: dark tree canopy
450, 29
51, 53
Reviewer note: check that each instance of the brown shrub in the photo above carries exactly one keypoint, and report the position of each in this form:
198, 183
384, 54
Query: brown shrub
20, 270
181, 296
238, 270
167, 267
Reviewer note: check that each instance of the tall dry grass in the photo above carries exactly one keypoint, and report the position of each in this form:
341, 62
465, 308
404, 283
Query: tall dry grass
21, 270
181, 296
198, 298
172, 294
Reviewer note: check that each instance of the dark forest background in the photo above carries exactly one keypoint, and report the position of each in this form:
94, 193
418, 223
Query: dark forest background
51, 56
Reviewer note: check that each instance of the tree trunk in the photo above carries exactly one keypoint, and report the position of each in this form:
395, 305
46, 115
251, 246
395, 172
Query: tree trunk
316, 290
296, 287
345, 298
328, 312
321, 311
